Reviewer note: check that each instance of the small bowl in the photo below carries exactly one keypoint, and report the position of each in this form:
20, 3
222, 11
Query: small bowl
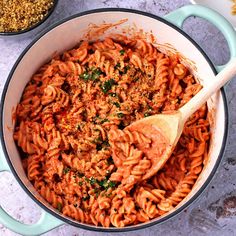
33, 26
221, 6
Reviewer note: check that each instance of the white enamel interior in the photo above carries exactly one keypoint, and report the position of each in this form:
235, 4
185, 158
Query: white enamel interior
67, 35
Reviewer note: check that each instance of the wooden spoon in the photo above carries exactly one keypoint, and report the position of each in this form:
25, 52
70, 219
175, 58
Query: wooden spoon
165, 129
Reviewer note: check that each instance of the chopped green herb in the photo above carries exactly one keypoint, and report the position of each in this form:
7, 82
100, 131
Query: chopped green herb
122, 52
106, 184
136, 79
104, 120
97, 191
108, 195
93, 181
111, 184
103, 183
85, 76
126, 68
107, 85
80, 183
146, 114
85, 198
117, 65
95, 74
120, 115
97, 140
66, 170
104, 144
59, 206
113, 94
117, 104
80, 174
87, 179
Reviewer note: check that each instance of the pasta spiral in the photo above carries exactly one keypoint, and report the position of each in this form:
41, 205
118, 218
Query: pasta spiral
77, 152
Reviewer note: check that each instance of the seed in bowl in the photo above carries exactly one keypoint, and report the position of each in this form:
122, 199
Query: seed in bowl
17, 15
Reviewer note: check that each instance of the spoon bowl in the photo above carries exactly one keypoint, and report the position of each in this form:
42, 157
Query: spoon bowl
164, 130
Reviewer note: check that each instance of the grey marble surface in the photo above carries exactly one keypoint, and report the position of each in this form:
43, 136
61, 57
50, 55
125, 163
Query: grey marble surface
207, 215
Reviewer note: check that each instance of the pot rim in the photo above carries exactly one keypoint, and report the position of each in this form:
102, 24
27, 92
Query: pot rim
99, 228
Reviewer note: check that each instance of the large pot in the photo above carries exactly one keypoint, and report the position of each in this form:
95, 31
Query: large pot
66, 34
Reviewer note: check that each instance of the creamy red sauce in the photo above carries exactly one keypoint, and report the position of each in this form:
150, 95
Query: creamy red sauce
159, 150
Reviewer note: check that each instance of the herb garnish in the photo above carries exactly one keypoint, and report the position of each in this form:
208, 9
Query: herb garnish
80, 174
122, 52
85, 198
108, 195
97, 140
117, 104
146, 114
107, 85
96, 191
104, 120
126, 68
95, 74
120, 115
117, 65
93, 181
59, 206
113, 94
91, 74
85, 76
66, 170
106, 184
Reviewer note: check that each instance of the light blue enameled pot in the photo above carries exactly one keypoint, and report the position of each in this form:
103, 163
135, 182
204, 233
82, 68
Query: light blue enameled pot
65, 35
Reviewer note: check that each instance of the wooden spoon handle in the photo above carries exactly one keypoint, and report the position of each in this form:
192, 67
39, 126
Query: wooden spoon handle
205, 93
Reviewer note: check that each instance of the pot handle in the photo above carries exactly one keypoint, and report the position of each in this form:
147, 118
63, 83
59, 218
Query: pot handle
178, 17
46, 222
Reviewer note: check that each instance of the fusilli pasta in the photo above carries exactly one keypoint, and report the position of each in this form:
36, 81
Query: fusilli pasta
70, 126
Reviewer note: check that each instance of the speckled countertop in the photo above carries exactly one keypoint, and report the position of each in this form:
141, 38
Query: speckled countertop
206, 216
